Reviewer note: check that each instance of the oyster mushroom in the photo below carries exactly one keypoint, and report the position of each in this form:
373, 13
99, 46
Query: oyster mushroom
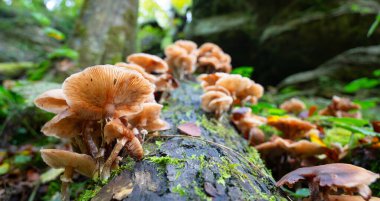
245, 121
151, 63
52, 101
341, 107
181, 57
70, 161
211, 58
328, 177
293, 105
291, 127
106, 91
216, 101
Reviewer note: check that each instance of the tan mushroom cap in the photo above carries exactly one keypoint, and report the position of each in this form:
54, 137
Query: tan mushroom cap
341, 107
63, 125
149, 118
212, 55
208, 48
114, 129
106, 91
335, 175
245, 121
234, 83
215, 101
150, 63
293, 105
181, 56
210, 79
81, 163
139, 69
217, 88
166, 82
52, 101
346, 198
187, 45
291, 127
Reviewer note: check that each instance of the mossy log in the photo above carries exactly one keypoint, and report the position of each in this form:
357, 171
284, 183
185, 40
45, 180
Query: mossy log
219, 165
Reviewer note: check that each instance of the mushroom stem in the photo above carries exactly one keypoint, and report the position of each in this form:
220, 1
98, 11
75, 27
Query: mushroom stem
66, 179
315, 194
164, 96
89, 141
79, 144
106, 171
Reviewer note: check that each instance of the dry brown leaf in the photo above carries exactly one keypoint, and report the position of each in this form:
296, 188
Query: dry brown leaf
190, 129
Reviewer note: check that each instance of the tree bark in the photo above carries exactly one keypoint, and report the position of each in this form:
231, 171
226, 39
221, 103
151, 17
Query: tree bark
105, 31
219, 165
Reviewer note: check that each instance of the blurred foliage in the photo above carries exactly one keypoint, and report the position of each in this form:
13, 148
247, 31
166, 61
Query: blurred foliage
245, 71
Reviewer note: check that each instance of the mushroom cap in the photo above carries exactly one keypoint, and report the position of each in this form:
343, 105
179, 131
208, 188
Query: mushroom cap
215, 101
187, 45
52, 101
106, 91
339, 175
166, 82
212, 55
341, 107
293, 105
63, 125
148, 118
217, 88
235, 84
150, 63
182, 55
256, 136
240, 113
291, 127
139, 69
210, 79
81, 163
346, 198
208, 48
113, 129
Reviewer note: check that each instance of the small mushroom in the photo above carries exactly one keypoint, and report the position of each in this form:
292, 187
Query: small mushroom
211, 58
148, 76
148, 118
151, 63
328, 177
210, 79
106, 91
181, 57
52, 101
293, 105
70, 161
164, 84
255, 136
341, 107
245, 121
291, 127
63, 125
216, 101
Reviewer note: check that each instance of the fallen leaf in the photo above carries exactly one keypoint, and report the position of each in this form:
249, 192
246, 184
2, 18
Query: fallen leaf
190, 129
4, 168
210, 189
51, 175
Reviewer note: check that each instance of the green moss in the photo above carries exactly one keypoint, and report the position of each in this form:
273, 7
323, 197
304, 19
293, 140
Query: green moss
227, 169
89, 194
163, 161
180, 190
159, 143
200, 193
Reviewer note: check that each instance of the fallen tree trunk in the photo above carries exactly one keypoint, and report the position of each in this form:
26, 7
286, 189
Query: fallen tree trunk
219, 165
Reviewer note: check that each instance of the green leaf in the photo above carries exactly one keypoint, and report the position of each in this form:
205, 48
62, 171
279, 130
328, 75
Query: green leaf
4, 168
41, 19
22, 159
276, 111
367, 104
181, 5
64, 52
345, 120
54, 33
361, 83
51, 175
356, 129
245, 71
376, 73
302, 193
374, 26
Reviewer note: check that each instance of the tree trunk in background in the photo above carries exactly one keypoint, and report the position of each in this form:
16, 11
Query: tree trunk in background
218, 165
105, 31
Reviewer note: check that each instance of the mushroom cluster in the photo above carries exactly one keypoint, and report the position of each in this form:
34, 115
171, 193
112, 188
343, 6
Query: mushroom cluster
293, 105
102, 110
342, 107
326, 179
211, 58
182, 57
154, 69
226, 90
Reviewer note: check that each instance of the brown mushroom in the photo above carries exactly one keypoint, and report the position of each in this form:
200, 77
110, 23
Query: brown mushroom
211, 58
216, 101
291, 127
164, 84
245, 121
328, 177
141, 70
341, 107
151, 63
148, 118
106, 91
63, 125
70, 161
181, 57
346, 198
293, 105
210, 79
52, 101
